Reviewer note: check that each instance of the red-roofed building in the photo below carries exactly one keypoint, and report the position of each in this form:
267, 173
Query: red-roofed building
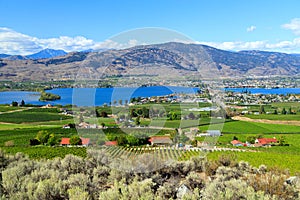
160, 140
85, 141
111, 143
66, 141
237, 143
266, 141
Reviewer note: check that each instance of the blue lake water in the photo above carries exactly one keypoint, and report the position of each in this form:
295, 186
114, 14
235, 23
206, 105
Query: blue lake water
92, 96
266, 90
99, 96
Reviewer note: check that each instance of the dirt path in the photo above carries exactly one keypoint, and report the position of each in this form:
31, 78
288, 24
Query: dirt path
266, 121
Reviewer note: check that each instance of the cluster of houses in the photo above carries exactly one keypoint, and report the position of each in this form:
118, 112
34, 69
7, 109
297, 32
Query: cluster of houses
84, 125
247, 98
260, 142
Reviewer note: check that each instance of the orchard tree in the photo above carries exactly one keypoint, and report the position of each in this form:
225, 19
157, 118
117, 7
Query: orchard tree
75, 140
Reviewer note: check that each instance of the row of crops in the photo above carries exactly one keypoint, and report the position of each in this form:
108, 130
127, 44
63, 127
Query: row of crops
163, 153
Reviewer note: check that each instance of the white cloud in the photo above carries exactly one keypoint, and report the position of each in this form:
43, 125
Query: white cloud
294, 26
281, 46
15, 43
251, 28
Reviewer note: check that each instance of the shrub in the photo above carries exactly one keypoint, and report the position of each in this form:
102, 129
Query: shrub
34, 142
9, 143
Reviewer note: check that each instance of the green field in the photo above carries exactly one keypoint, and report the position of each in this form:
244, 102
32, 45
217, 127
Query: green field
293, 105
271, 160
21, 126
32, 115
254, 128
9, 108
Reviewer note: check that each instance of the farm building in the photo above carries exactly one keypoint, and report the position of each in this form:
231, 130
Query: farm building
265, 141
111, 143
211, 133
160, 140
66, 141
237, 143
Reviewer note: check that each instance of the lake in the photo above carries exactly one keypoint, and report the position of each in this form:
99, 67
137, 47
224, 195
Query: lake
92, 96
100, 96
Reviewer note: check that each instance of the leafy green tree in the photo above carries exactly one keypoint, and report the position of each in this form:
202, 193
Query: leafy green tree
259, 136
283, 111
172, 115
14, 103
75, 140
34, 142
43, 136
275, 112
120, 102
183, 138
191, 115
81, 119
122, 140
174, 136
145, 112
262, 109
97, 113
132, 140
22, 103
137, 121
101, 140
132, 100
52, 140
104, 114
133, 113
290, 111
281, 140
251, 139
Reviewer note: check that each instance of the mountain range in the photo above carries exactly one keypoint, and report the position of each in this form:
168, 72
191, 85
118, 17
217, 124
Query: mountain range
45, 53
166, 60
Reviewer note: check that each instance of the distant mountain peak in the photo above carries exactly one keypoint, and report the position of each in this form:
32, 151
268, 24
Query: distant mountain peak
47, 53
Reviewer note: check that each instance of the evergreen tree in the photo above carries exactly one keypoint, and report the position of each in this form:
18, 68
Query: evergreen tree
22, 103
283, 111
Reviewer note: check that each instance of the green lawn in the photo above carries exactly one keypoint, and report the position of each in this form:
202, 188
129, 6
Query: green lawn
294, 105
9, 108
255, 127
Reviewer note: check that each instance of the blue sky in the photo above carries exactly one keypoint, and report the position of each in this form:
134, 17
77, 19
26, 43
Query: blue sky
27, 26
